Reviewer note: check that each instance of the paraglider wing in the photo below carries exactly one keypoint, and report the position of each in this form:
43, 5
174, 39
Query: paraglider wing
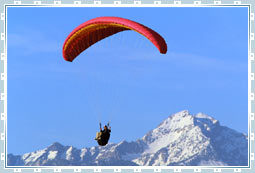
99, 28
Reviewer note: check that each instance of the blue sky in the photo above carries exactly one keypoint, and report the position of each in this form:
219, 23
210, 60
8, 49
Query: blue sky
123, 78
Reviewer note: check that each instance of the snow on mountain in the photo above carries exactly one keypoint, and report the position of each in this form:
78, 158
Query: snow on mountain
181, 139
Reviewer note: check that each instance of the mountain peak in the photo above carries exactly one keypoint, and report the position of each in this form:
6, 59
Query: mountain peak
55, 146
168, 131
178, 120
182, 113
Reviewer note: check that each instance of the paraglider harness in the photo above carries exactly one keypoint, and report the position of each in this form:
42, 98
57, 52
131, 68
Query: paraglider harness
103, 136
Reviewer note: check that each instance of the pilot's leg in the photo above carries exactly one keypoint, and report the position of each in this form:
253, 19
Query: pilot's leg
98, 136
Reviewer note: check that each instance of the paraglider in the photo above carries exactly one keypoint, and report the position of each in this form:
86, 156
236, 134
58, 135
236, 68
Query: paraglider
103, 136
94, 30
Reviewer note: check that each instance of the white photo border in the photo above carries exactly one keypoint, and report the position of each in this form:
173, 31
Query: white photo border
4, 4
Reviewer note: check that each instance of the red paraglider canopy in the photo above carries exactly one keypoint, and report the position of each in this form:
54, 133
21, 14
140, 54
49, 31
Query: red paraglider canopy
99, 28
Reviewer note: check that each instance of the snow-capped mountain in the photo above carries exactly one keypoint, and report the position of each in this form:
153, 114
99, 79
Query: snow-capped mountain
181, 139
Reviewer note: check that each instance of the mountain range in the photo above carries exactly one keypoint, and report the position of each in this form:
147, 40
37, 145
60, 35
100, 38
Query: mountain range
180, 140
